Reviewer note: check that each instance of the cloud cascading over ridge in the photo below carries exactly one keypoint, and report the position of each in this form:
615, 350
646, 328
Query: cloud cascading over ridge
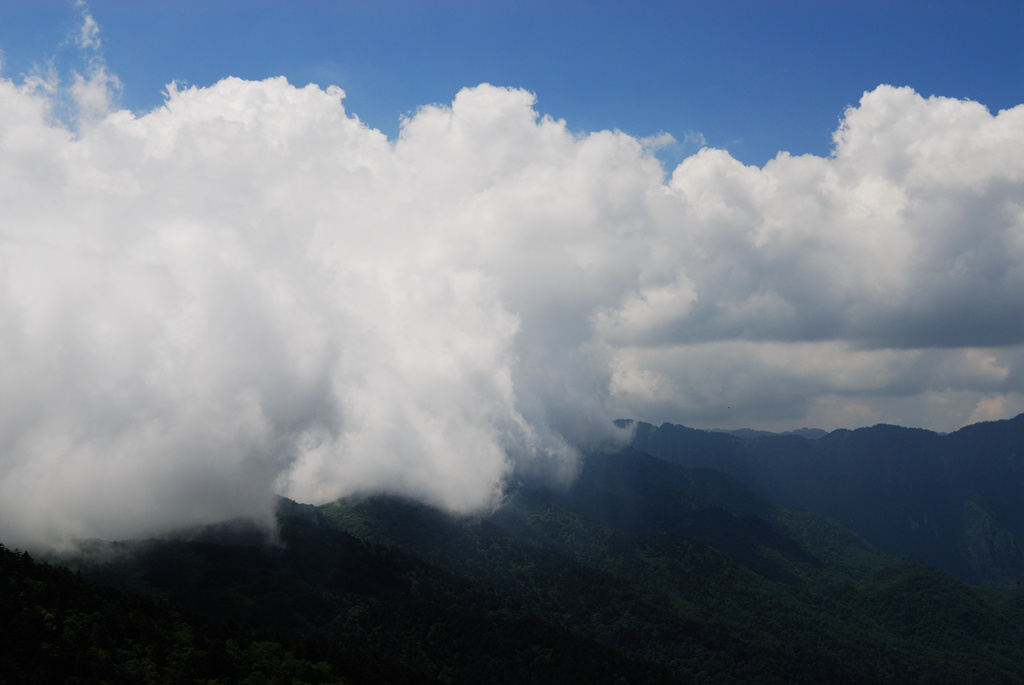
247, 290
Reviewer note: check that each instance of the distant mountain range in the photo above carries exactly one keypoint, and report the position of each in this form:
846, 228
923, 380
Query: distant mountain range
719, 559
955, 501
809, 433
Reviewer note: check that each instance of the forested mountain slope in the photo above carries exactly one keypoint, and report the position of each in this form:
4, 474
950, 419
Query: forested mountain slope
719, 584
318, 582
58, 628
643, 571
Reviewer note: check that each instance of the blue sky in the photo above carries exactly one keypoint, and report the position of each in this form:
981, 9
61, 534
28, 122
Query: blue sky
751, 77
232, 287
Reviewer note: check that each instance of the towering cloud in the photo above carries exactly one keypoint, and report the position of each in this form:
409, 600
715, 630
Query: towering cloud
248, 291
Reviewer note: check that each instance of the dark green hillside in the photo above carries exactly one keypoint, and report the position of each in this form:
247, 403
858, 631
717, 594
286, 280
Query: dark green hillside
58, 628
637, 493
842, 555
945, 618
953, 500
321, 583
812, 614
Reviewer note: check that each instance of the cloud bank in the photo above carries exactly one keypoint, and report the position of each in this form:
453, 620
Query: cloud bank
248, 291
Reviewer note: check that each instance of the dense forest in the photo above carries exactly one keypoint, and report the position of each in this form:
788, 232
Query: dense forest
644, 571
58, 628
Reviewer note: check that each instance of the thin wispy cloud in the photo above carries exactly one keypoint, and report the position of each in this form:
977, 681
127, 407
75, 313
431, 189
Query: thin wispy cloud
88, 36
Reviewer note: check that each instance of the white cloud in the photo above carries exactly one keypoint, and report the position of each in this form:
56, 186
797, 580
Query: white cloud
94, 95
694, 138
660, 141
996, 408
247, 290
89, 33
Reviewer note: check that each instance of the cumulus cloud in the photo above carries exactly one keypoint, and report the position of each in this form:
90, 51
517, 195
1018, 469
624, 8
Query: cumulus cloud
248, 291
890, 269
